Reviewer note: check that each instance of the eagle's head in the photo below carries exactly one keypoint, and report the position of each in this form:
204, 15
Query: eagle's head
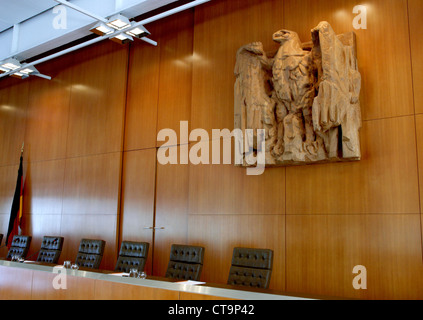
282, 36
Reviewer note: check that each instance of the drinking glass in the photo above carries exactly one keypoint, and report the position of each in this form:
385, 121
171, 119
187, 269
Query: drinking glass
142, 275
133, 273
67, 264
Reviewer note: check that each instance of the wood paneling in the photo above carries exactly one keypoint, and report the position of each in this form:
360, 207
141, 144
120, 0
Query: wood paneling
176, 58
221, 28
226, 189
138, 189
321, 252
142, 94
195, 296
77, 288
8, 177
48, 111
15, 284
97, 105
43, 191
384, 181
383, 48
105, 290
92, 184
13, 104
419, 133
415, 9
172, 194
220, 234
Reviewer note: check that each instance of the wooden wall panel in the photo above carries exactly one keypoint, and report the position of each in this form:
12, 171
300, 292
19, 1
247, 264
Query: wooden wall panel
383, 48
48, 111
172, 194
8, 178
105, 290
142, 93
221, 28
13, 105
10, 288
176, 58
419, 133
415, 9
92, 184
220, 234
384, 181
226, 189
97, 105
321, 252
138, 190
43, 188
77, 288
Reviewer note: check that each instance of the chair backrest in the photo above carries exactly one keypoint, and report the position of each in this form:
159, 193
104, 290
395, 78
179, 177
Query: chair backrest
1, 238
132, 255
251, 267
51, 248
186, 262
90, 253
19, 247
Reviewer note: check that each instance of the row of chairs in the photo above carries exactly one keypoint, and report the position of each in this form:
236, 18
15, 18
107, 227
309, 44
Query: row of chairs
249, 267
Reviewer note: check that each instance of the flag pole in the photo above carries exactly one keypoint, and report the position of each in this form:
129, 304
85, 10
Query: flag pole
22, 150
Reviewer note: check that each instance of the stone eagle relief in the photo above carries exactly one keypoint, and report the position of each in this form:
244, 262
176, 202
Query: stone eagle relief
305, 96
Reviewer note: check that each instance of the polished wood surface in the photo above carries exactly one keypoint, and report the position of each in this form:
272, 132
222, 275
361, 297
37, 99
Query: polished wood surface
322, 262
92, 184
48, 111
383, 182
77, 288
176, 59
137, 206
44, 187
10, 288
415, 11
97, 104
383, 49
241, 22
118, 291
172, 203
142, 94
13, 105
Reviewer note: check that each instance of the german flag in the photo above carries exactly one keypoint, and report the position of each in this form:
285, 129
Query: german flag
16, 212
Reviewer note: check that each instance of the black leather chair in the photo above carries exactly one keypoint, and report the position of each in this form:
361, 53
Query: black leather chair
19, 246
51, 248
251, 267
90, 253
186, 262
132, 255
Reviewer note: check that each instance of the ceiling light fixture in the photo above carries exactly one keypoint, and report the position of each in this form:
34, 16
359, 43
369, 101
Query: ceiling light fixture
138, 32
102, 29
119, 22
10, 64
122, 38
19, 75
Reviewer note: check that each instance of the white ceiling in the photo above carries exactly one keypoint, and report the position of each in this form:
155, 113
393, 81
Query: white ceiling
16, 11
26, 28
